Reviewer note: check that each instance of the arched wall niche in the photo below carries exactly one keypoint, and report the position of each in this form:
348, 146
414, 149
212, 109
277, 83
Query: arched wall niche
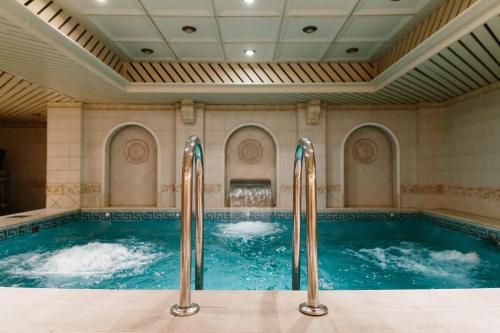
250, 153
370, 167
131, 167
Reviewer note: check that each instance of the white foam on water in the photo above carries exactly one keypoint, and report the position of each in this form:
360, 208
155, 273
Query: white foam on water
96, 261
249, 229
454, 255
412, 257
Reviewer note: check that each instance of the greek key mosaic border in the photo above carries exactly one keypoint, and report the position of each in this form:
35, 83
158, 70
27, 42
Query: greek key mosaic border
46, 223
473, 230
36, 226
129, 216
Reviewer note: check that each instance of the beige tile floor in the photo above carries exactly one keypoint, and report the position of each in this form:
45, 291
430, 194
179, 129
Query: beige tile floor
77, 311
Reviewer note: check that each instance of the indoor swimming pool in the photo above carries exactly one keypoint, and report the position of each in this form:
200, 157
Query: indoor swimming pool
249, 251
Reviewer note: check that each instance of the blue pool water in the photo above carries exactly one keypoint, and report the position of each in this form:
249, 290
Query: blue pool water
250, 255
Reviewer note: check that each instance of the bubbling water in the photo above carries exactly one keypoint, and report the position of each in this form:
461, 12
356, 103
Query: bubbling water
249, 229
411, 257
93, 261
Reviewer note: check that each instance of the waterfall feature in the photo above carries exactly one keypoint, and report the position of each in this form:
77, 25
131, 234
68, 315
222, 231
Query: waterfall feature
250, 193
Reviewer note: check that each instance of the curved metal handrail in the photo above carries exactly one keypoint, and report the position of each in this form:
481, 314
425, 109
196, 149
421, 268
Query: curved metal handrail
305, 151
193, 154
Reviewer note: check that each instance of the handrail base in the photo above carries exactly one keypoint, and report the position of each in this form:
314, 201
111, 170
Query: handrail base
179, 311
319, 310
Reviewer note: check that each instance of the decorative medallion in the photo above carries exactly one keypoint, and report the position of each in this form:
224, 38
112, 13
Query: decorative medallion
136, 151
250, 151
365, 151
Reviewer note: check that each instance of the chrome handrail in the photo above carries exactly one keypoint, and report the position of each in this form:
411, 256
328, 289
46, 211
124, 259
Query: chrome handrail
305, 150
193, 154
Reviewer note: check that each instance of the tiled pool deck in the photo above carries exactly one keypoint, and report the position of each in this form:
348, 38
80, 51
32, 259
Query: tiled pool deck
59, 310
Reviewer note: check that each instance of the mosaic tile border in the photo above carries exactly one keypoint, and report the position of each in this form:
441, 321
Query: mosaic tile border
36, 226
125, 215
464, 227
478, 231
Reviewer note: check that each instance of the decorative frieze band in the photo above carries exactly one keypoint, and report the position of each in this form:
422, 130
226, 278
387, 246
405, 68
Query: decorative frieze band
458, 191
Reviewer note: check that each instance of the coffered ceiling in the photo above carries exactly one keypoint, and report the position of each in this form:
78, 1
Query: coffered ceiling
273, 28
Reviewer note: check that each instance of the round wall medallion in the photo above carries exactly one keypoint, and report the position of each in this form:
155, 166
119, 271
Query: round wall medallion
365, 151
250, 151
136, 151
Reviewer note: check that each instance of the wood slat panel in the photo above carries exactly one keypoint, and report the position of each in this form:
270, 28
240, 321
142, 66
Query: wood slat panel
444, 14
24, 101
267, 73
60, 20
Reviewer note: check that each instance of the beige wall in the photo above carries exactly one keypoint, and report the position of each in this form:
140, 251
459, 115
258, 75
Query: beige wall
445, 156
471, 155
26, 161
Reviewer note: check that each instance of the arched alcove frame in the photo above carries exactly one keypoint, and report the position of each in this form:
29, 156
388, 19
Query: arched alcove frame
276, 159
105, 155
397, 161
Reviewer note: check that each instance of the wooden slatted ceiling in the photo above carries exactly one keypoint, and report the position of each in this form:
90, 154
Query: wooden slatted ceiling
60, 20
438, 19
23, 101
229, 73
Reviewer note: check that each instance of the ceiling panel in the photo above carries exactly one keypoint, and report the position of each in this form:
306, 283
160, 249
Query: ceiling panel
108, 7
265, 21
178, 7
249, 29
328, 28
320, 7
263, 51
373, 28
401, 7
338, 52
133, 50
301, 51
171, 28
130, 28
198, 51
240, 8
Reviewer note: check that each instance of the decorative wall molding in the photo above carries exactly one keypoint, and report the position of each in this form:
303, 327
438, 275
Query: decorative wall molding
289, 189
313, 112
188, 111
91, 188
457, 191
52, 189
129, 107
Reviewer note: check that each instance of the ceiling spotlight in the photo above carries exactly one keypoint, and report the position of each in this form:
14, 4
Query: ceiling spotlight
189, 29
249, 52
101, 0
249, 2
147, 51
309, 29
352, 50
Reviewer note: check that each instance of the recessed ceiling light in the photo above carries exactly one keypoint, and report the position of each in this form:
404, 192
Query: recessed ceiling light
249, 2
101, 0
147, 51
189, 29
249, 52
352, 50
309, 29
